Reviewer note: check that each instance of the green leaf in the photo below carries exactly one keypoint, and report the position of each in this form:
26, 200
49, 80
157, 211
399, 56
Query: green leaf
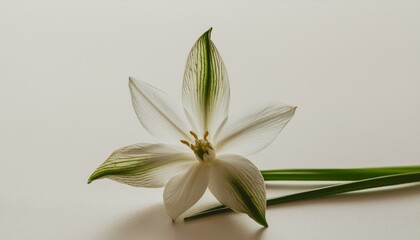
337, 174
382, 181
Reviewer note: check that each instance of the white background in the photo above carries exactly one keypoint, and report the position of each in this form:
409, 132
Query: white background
351, 67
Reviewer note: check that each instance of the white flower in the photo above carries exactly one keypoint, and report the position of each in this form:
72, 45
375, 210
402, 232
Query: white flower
205, 140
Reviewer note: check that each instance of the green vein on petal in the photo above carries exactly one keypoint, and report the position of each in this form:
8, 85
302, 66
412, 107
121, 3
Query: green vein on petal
237, 183
143, 165
109, 169
207, 79
205, 90
250, 203
370, 183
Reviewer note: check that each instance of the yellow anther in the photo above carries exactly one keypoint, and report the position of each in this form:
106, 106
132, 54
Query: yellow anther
185, 142
194, 135
206, 134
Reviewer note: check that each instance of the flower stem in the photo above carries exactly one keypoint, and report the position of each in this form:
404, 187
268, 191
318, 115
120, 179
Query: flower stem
370, 183
349, 174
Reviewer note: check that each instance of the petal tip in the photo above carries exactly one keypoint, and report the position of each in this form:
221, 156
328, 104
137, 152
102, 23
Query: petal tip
263, 222
131, 81
259, 218
173, 215
207, 34
92, 177
209, 31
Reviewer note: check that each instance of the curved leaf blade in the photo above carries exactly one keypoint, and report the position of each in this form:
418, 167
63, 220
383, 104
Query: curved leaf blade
382, 181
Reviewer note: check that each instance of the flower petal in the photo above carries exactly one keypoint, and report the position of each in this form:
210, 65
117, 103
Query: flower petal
144, 165
205, 90
238, 184
184, 190
250, 131
158, 114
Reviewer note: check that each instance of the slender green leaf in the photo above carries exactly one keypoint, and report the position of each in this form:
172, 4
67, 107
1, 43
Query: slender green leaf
382, 181
349, 174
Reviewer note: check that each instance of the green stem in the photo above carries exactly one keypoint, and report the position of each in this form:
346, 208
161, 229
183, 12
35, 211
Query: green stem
349, 174
327, 191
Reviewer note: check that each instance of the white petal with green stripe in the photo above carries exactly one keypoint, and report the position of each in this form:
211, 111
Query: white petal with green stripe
238, 184
144, 165
205, 89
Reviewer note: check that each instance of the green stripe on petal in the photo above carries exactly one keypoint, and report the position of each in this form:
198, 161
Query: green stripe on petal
238, 184
144, 165
250, 203
205, 89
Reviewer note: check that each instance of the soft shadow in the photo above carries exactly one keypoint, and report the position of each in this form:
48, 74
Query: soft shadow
155, 224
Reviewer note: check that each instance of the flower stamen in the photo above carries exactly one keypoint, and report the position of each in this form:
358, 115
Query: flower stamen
194, 135
185, 142
206, 134
202, 148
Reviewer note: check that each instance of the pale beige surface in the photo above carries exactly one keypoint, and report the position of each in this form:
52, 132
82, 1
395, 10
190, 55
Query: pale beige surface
352, 67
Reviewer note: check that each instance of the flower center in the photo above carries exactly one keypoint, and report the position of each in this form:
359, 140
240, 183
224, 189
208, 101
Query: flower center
202, 148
